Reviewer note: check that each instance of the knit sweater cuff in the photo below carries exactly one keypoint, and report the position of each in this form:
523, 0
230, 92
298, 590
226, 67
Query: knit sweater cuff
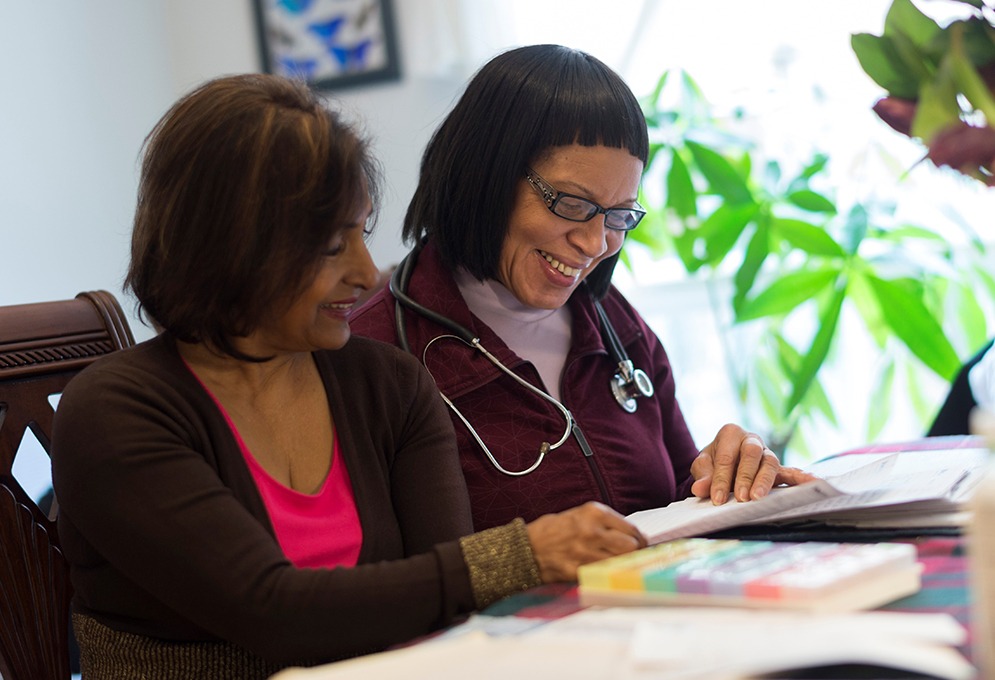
500, 562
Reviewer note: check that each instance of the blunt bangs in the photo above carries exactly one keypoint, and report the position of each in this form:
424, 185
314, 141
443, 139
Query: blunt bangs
516, 108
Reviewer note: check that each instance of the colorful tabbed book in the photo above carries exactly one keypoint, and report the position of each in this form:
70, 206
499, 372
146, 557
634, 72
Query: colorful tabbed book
814, 576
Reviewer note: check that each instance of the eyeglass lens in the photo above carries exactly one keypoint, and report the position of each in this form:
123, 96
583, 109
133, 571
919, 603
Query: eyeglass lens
581, 210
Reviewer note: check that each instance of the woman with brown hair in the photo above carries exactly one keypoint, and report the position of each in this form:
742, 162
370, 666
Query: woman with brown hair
253, 488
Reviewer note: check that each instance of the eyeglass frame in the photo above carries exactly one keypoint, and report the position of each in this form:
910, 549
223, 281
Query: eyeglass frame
551, 197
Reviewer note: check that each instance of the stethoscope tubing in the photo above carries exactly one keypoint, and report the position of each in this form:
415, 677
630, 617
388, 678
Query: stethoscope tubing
627, 384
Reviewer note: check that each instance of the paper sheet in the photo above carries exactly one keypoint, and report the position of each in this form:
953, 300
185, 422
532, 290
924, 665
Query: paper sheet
900, 485
649, 642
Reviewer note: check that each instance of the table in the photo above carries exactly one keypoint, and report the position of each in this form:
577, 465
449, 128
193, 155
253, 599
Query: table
941, 551
944, 590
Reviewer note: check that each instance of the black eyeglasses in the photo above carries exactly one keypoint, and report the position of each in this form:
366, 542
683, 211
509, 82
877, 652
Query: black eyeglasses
577, 209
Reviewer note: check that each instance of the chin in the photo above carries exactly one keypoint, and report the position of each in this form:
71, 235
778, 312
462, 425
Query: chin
337, 342
549, 301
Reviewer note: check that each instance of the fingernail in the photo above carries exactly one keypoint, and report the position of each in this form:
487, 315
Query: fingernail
719, 497
759, 493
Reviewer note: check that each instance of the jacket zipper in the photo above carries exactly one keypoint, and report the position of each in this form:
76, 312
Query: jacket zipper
589, 456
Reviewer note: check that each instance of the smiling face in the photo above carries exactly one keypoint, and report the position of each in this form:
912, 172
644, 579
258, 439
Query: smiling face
318, 318
544, 257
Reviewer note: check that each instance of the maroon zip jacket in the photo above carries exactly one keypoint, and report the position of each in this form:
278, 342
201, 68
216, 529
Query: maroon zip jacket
637, 461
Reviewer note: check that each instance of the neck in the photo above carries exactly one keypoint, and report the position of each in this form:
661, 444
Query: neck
226, 373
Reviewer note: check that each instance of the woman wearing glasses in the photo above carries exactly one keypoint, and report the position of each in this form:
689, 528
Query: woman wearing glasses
559, 391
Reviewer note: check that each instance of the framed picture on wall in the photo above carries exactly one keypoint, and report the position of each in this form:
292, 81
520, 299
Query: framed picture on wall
331, 44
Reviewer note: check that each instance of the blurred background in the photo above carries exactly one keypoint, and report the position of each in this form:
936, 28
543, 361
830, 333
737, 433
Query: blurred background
83, 82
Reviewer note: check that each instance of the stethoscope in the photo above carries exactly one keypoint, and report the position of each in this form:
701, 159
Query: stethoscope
627, 383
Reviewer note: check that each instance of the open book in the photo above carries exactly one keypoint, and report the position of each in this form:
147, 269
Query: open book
913, 488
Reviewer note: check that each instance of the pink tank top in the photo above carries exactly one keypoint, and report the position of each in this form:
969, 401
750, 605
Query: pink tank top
314, 530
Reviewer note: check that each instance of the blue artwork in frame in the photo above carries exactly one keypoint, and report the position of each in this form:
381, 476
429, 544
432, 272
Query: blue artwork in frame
331, 44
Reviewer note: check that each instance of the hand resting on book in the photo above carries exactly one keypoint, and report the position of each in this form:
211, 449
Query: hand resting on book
739, 462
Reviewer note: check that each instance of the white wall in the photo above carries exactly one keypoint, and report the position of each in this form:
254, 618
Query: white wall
83, 82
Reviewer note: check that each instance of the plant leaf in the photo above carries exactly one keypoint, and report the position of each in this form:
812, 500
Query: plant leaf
882, 62
819, 400
807, 237
971, 316
786, 293
924, 410
684, 245
966, 77
854, 229
681, 196
908, 231
654, 96
721, 175
722, 229
910, 320
860, 294
879, 406
937, 108
820, 348
806, 199
904, 18
791, 360
979, 41
756, 252
818, 162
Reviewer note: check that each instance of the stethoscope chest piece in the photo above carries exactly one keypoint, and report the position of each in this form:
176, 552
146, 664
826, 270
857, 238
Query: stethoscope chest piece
628, 384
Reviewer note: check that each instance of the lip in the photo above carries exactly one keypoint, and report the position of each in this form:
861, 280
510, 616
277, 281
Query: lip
339, 308
555, 267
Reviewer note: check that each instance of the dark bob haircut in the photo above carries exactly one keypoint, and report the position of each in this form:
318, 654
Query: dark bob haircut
518, 106
244, 182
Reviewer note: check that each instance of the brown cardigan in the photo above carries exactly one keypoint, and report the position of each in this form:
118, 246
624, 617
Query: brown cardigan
168, 537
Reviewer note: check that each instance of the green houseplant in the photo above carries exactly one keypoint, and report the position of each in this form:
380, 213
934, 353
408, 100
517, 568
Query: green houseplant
795, 258
939, 81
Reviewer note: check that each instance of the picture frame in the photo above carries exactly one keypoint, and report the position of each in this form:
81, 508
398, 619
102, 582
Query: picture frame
330, 44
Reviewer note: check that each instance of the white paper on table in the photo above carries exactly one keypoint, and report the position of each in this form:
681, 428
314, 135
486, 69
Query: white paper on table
687, 642
934, 484
673, 642
481, 657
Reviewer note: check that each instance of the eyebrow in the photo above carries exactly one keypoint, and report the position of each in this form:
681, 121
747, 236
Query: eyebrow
587, 192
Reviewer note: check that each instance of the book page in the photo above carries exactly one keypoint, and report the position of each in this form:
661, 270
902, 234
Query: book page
695, 516
888, 492
926, 462
931, 482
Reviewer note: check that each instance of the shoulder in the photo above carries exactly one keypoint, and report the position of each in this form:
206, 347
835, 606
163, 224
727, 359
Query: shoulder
145, 386
363, 348
371, 361
145, 366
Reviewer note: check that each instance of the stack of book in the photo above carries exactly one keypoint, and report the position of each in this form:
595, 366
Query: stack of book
814, 576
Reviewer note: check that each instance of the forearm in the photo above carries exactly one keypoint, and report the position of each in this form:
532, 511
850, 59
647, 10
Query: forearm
500, 562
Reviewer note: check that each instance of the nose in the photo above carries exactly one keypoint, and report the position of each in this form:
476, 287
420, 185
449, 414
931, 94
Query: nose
591, 237
363, 272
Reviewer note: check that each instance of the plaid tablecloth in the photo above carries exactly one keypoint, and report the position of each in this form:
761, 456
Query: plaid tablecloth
944, 558
944, 589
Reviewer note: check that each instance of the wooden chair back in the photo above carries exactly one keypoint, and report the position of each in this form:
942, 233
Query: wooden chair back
42, 346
